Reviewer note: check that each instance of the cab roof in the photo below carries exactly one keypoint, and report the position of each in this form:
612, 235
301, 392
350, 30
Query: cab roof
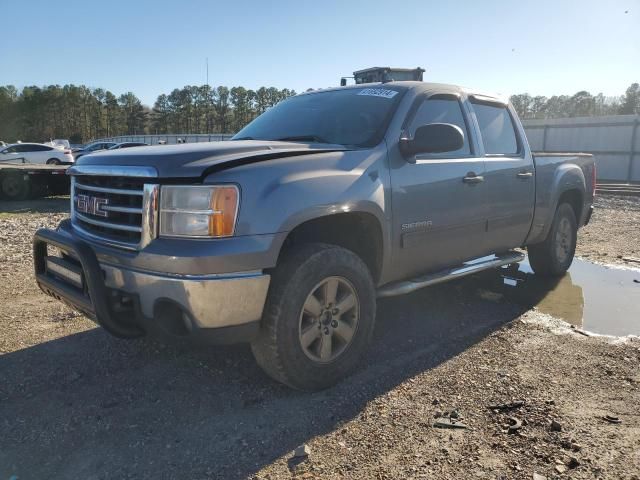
421, 86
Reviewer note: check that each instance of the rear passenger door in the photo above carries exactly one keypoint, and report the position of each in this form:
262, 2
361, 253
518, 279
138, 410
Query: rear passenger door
40, 153
509, 174
438, 200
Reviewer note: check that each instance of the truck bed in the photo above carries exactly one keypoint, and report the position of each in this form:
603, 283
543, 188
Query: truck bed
561, 154
547, 166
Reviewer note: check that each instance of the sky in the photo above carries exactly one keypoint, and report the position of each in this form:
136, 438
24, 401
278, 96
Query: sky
542, 47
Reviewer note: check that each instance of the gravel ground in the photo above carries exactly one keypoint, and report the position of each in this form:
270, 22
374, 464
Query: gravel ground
613, 232
77, 403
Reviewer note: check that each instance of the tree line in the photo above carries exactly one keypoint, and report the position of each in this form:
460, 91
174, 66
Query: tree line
582, 104
80, 113
203, 109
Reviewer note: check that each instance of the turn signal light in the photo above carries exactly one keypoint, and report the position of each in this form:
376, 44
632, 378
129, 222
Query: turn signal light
224, 203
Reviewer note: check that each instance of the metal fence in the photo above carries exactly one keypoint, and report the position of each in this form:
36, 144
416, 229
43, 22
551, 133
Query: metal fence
169, 139
613, 140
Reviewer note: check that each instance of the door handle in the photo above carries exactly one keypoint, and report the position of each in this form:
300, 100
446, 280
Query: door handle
524, 175
472, 178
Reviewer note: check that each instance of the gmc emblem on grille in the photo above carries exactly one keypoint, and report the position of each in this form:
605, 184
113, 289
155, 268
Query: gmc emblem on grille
92, 205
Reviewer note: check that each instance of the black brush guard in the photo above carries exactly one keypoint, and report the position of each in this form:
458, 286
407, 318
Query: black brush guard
93, 299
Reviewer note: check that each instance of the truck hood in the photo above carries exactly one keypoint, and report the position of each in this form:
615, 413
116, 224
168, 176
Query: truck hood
199, 159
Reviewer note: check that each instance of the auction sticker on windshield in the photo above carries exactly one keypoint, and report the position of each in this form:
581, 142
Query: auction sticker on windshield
378, 92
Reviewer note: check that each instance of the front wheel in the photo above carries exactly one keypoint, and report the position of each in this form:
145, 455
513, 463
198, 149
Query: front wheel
53, 161
554, 255
319, 317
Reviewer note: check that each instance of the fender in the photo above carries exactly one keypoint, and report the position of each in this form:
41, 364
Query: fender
566, 176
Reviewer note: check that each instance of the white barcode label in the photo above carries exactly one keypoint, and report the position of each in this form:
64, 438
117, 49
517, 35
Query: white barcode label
378, 92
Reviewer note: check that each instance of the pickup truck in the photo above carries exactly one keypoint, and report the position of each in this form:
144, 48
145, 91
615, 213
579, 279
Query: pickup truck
285, 236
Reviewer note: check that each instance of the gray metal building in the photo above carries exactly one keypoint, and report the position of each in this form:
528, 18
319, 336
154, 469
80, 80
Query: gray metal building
613, 140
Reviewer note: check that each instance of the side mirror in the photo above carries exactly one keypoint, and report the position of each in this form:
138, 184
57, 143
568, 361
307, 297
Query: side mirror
343, 82
433, 138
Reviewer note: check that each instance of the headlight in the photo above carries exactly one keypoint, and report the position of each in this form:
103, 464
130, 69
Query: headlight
198, 210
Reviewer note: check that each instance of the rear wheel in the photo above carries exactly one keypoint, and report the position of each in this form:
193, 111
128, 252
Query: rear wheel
53, 161
318, 319
15, 187
554, 255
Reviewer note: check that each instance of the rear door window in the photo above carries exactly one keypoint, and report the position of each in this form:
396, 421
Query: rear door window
39, 148
496, 128
442, 110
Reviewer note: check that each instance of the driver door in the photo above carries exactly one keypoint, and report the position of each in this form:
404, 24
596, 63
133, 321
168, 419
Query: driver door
12, 155
439, 200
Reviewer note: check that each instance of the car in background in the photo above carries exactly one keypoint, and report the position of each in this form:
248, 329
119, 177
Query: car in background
37, 153
118, 146
90, 148
60, 143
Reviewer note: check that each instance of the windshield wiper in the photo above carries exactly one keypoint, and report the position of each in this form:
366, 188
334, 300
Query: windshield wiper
303, 138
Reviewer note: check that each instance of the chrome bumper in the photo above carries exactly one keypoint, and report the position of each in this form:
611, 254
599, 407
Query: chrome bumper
211, 301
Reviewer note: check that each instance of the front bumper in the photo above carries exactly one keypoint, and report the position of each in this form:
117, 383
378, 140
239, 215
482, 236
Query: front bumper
212, 301
129, 303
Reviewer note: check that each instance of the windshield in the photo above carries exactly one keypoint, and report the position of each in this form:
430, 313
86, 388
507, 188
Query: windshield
354, 116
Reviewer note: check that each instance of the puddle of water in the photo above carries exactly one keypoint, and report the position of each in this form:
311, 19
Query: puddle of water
596, 298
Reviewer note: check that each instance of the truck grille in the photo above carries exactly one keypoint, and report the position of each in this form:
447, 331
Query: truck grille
118, 211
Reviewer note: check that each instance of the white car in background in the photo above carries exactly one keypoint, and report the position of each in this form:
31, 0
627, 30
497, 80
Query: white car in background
59, 143
34, 153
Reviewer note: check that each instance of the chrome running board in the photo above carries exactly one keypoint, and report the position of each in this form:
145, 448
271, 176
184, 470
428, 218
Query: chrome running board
467, 268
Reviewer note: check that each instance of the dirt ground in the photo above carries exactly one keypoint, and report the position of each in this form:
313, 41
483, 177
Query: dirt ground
77, 403
613, 233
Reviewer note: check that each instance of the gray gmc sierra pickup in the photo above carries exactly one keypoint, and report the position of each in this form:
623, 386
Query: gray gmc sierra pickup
285, 235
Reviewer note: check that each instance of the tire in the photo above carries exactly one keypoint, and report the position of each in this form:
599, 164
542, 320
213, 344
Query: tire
302, 361
14, 187
38, 190
53, 161
554, 255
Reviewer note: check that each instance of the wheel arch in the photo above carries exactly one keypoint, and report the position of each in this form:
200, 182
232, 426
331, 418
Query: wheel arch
575, 198
358, 231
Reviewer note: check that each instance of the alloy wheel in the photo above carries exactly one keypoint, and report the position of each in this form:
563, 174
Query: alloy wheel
329, 319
